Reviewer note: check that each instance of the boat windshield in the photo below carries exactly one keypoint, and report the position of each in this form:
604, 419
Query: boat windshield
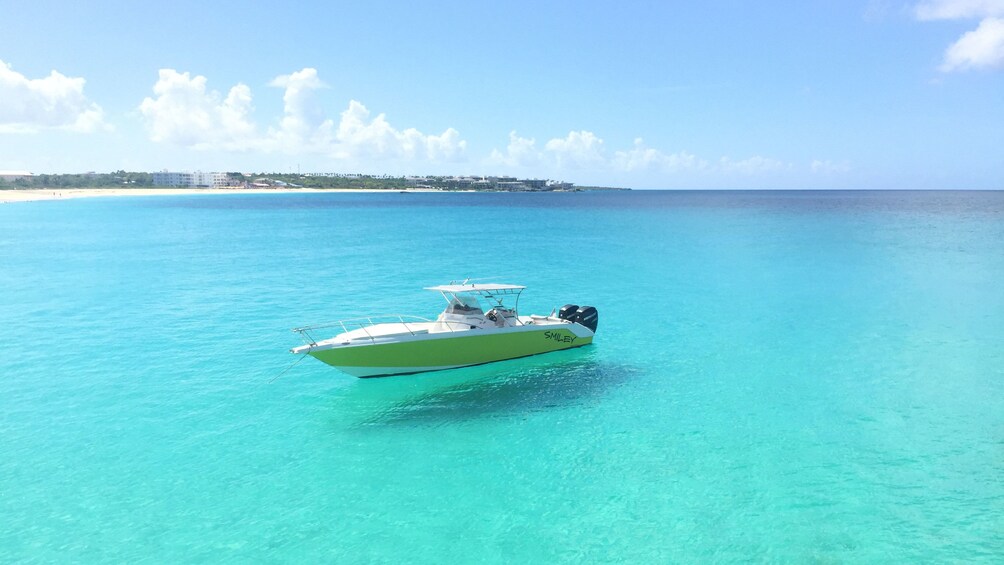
464, 305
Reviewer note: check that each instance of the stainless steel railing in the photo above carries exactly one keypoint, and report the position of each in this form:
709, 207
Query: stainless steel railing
363, 323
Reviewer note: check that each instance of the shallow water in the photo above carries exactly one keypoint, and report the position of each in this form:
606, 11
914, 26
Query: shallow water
783, 376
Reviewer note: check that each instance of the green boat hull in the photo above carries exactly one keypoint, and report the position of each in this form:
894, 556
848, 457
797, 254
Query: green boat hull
433, 352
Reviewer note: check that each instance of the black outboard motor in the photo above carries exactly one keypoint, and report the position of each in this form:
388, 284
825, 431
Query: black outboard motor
587, 316
567, 311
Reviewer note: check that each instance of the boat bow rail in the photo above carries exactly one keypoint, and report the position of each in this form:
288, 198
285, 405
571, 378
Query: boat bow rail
410, 324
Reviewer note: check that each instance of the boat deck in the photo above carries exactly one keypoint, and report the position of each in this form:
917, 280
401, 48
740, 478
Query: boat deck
391, 329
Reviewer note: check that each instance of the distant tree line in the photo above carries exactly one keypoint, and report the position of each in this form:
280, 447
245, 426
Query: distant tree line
124, 179
355, 181
117, 179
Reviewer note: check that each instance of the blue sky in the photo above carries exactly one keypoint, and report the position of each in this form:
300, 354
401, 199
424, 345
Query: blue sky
869, 94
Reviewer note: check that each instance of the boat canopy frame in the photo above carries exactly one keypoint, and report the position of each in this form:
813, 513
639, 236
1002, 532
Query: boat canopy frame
493, 294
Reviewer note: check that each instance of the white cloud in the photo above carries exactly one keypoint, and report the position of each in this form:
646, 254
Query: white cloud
54, 102
360, 136
584, 150
752, 166
824, 167
580, 149
184, 113
958, 9
521, 152
446, 146
641, 157
980, 48
303, 125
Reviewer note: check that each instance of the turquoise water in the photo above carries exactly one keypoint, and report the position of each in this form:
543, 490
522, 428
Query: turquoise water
779, 376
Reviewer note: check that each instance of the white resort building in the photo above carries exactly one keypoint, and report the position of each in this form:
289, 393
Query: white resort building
196, 179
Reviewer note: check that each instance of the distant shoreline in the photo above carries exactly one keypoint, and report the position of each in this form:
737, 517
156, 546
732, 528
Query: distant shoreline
36, 194
8, 195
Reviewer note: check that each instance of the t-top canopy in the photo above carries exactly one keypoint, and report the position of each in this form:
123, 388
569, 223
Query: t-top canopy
479, 288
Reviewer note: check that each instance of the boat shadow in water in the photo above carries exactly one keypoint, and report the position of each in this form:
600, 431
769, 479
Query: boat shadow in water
534, 385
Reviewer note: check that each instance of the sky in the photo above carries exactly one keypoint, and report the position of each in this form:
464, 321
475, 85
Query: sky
673, 95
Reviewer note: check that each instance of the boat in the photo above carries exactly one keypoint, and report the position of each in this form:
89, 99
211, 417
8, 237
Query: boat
476, 327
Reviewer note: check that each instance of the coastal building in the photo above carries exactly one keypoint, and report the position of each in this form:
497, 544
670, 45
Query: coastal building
510, 186
493, 183
198, 179
14, 175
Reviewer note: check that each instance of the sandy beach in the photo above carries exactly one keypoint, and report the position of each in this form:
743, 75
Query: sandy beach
30, 195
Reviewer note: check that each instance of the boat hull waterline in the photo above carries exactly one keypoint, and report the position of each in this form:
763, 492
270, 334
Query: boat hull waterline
434, 352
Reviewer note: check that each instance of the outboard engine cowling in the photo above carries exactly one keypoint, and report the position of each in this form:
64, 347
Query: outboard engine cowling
587, 316
567, 311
